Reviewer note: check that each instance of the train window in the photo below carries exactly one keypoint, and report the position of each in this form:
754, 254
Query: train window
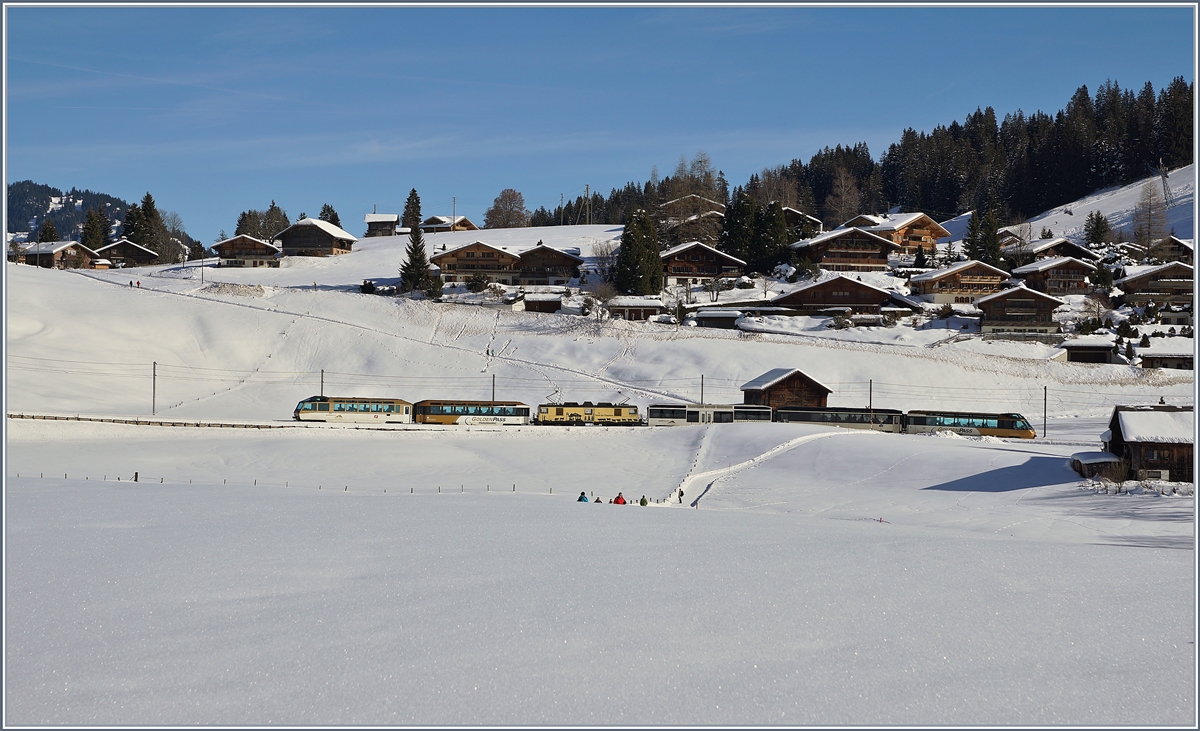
322, 407
520, 412
587, 412
308, 407
406, 409
376, 407
722, 417
339, 407
616, 412
693, 417
389, 408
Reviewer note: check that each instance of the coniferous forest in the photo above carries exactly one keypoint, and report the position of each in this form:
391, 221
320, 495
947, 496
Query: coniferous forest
1020, 165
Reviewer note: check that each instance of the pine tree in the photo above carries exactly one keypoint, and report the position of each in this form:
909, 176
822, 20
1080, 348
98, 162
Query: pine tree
414, 273
638, 270
154, 232
274, 221
769, 243
48, 232
133, 227
95, 229
921, 262
330, 216
1096, 229
737, 231
989, 242
973, 240
412, 211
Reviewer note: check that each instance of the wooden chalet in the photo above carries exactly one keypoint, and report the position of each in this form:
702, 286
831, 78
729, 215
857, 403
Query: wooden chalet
690, 205
1177, 353
381, 224
796, 219
1166, 285
1173, 248
697, 263
840, 294
960, 283
544, 265
1021, 252
906, 230
497, 263
785, 387
1155, 441
1018, 310
847, 250
443, 224
247, 251
634, 308
124, 253
59, 255
1059, 276
314, 237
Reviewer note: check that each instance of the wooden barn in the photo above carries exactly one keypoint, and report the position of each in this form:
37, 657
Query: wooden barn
634, 308
381, 224
847, 250
314, 237
960, 283
1092, 349
785, 387
543, 302
838, 294
1018, 310
697, 263
1155, 440
125, 253
1177, 353
1058, 276
544, 265
246, 251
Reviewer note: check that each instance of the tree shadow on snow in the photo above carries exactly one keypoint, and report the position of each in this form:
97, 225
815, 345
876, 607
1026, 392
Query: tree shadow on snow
1036, 472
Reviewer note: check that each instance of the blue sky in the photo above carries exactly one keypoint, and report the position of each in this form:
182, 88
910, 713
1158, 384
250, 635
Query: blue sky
217, 110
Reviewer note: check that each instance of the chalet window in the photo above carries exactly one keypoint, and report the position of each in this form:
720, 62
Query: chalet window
469, 254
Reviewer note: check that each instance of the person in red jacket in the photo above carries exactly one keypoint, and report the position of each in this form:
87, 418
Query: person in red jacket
620, 499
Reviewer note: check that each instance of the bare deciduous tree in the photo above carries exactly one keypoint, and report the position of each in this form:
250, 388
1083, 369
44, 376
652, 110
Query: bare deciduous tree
507, 211
1149, 216
605, 254
842, 203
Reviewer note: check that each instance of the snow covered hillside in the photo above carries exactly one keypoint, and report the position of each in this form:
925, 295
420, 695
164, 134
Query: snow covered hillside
1116, 204
320, 575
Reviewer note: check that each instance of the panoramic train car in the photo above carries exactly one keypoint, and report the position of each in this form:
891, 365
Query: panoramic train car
888, 420
1012, 426
589, 413
353, 409
470, 412
695, 414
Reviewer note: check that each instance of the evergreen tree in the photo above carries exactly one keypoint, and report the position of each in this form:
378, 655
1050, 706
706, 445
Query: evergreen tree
274, 221
412, 211
154, 232
1096, 229
133, 227
48, 232
249, 223
95, 229
1046, 234
638, 269
738, 227
973, 240
414, 273
921, 262
769, 243
989, 242
329, 215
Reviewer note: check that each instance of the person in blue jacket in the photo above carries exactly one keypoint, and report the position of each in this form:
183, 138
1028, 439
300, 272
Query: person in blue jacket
582, 498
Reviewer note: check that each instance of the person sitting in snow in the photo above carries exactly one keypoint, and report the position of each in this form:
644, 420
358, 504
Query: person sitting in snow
582, 498
620, 499
643, 502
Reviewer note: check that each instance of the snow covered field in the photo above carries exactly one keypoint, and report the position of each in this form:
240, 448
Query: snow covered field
823, 577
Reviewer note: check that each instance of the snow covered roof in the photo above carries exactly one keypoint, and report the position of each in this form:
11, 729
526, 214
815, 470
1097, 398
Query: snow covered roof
1136, 272
696, 197
1042, 265
276, 247
719, 313
838, 233
1089, 341
632, 301
1021, 290
1037, 246
1155, 425
325, 226
1178, 347
1095, 457
124, 240
53, 247
381, 218
1185, 243
543, 297
858, 282
684, 247
443, 221
775, 375
510, 250
956, 267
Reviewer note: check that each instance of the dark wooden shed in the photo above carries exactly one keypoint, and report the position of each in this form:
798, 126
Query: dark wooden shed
785, 387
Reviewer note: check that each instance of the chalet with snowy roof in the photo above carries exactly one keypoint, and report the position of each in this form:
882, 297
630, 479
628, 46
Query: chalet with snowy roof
443, 224
690, 205
907, 230
1093, 349
1025, 252
796, 219
59, 255
1174, 248
314, 237
1018, 310
847, 250
124, 253
1059, 276
542, 264
381, 224
543, 302
247, 251
634, 308
785, 387
1177, 353
497, 263
697, 263
960, 283
1165, 285
836, 295
1155, 440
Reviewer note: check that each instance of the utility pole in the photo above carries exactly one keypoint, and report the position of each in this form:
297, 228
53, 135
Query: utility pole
871, 395
1045, 397
153, 387
701, 388
588, 197
561, 209
493, 386
453, 211
322, 381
